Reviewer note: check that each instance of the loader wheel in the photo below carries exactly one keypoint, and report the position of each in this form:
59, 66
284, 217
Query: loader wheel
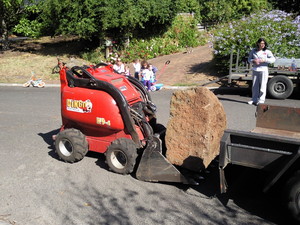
121, 156
280, 87
292, 196
71, 145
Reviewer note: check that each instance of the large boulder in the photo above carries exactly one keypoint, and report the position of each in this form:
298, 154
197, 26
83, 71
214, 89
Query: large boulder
195, 128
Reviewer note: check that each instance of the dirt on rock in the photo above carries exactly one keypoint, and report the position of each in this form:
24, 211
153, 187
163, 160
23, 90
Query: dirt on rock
196, 125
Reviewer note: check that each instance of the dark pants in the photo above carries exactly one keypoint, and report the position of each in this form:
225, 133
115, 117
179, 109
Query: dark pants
147, 83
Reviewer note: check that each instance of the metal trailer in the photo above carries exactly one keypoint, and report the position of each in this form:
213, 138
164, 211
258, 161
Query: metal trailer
282, 77
273, 146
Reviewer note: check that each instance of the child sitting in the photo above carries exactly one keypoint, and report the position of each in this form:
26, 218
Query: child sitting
152, 79
147, 75
127, 71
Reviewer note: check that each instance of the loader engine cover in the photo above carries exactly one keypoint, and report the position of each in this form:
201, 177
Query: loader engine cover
99, 108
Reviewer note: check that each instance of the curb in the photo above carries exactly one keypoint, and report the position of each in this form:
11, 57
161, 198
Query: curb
21, 85
58, 85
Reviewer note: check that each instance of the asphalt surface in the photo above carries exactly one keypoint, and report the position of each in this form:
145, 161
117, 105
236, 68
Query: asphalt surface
37, 188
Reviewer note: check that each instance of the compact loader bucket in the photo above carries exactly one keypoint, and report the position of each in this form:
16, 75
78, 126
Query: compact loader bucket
278, 120
155, 167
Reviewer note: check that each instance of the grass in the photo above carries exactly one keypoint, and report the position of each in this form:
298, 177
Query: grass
38, 57
19, 68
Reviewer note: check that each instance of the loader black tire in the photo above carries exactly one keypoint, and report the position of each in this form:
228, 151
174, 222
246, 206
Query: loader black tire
121, 156
280, 87
71, 145
292, 196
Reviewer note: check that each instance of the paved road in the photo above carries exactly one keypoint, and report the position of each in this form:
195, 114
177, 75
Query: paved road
37, 188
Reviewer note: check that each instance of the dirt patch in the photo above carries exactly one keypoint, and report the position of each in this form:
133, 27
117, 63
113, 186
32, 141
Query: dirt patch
186, 68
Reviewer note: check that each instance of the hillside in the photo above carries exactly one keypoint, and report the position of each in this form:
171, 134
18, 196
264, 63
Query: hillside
40, 56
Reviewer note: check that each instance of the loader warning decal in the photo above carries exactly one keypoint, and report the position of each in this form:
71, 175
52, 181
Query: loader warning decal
79, 106
123, 88
102, 121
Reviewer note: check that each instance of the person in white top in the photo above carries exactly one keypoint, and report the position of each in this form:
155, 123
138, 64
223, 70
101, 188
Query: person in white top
127, 71
260, 57
147, 75
137, 68
119, 66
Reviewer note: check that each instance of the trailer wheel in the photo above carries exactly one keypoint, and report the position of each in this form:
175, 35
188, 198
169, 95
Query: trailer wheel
71, 145
121, 156
280, 87
292, 196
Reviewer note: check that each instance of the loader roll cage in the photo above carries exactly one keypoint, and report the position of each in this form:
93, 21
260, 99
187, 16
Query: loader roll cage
136, 83
80, 77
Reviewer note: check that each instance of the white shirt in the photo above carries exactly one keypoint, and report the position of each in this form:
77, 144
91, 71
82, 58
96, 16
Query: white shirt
266, 55
147, 74
137, 67
119, 68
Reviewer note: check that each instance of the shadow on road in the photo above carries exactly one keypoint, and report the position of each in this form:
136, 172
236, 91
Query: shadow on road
245, 187
231, 100
48, 138
101, 160
242, 91
245, 190
246, 92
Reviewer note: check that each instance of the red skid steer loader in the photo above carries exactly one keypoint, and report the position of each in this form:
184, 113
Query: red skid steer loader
105, 112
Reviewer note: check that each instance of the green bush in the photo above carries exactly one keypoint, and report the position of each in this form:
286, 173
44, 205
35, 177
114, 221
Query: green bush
148, 49
280, 29
220, 11
94, 56
184, 30
181, 34
28, 28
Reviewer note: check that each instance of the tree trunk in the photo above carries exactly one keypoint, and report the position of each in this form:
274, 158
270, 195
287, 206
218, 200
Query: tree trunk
5, 42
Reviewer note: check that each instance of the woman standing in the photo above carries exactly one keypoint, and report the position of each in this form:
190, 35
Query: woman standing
137, 68
260, 57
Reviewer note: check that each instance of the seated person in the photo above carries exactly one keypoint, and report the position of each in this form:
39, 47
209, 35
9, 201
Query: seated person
154, 70
147, 76
119, 66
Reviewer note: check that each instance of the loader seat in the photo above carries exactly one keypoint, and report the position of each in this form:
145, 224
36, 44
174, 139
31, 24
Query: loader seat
76, 81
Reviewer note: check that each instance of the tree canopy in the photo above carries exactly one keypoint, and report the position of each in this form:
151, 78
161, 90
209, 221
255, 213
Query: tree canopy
290, 6
218, 11
96, 18
91, 19
11, 11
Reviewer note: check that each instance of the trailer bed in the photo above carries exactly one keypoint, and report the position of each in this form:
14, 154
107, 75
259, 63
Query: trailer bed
274, 145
